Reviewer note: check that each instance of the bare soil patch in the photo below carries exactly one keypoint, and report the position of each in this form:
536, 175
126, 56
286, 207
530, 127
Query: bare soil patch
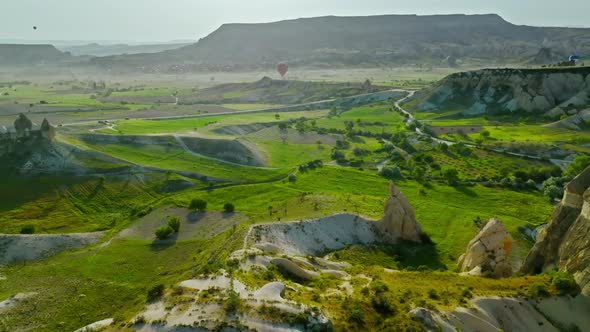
19, 248
194, 225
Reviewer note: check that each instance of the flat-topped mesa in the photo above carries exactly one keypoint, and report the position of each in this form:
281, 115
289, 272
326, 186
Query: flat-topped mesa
399, 220
489, 251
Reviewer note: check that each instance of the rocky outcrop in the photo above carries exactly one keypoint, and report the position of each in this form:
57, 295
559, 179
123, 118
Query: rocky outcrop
23, 126
565, 244
293, 269
500, 90
399, 220
489, 251
47, 130
491, 314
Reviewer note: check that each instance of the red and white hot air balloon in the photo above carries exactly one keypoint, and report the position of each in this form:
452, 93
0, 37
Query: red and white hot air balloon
282, 68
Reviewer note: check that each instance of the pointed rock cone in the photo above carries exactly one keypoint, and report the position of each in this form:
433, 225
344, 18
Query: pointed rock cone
399, 219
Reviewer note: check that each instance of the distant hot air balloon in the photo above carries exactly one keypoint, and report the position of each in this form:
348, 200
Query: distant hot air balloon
34, 28
282, 68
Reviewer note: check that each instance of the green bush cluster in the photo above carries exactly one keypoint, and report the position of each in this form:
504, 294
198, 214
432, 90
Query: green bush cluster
198, 204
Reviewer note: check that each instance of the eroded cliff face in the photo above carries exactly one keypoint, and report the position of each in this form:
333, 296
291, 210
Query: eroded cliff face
551, 92
566, 241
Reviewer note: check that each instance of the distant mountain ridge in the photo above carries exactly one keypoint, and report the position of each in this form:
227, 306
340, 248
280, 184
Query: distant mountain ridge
370, 39
95, 49
15, 54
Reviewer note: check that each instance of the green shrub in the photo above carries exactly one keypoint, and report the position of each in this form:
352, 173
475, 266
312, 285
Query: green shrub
382, 304
466, 293
565, 283
229, 207
537, 290
198, 204
27, 229
355, 313
433, 294
155, 292
391, 172
451, 175
174, 223
233, 302
164, 232
292, 177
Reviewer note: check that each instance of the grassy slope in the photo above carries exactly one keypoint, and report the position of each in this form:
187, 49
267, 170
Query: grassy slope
371, 113
177, 159
58, 204
136, 127
446, 213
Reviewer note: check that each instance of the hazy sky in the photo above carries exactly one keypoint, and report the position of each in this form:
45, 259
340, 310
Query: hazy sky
163, 20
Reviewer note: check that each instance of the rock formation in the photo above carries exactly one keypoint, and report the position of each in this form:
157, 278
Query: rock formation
47, 130
565, 244
489, 251
23, 126
545, 91
399, 219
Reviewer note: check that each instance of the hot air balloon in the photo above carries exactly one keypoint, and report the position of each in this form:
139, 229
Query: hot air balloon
282, 68
34, 28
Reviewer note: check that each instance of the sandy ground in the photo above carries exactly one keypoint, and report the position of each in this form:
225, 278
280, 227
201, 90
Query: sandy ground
312, 237
194, 226
205, 314
96, 325
18, 248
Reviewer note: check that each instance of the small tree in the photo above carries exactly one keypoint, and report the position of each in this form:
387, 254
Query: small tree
292, 177
485, 134
391, 172
229, 207
155, 292
418, 172
174, 223
283, 132
198, 204
451, 175
164, 232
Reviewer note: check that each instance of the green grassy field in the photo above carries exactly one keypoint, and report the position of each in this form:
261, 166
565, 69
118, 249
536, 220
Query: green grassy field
135, 127
177, 159
375, 118
484, 164
79, 287
279, 154
61, 204
532, 133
